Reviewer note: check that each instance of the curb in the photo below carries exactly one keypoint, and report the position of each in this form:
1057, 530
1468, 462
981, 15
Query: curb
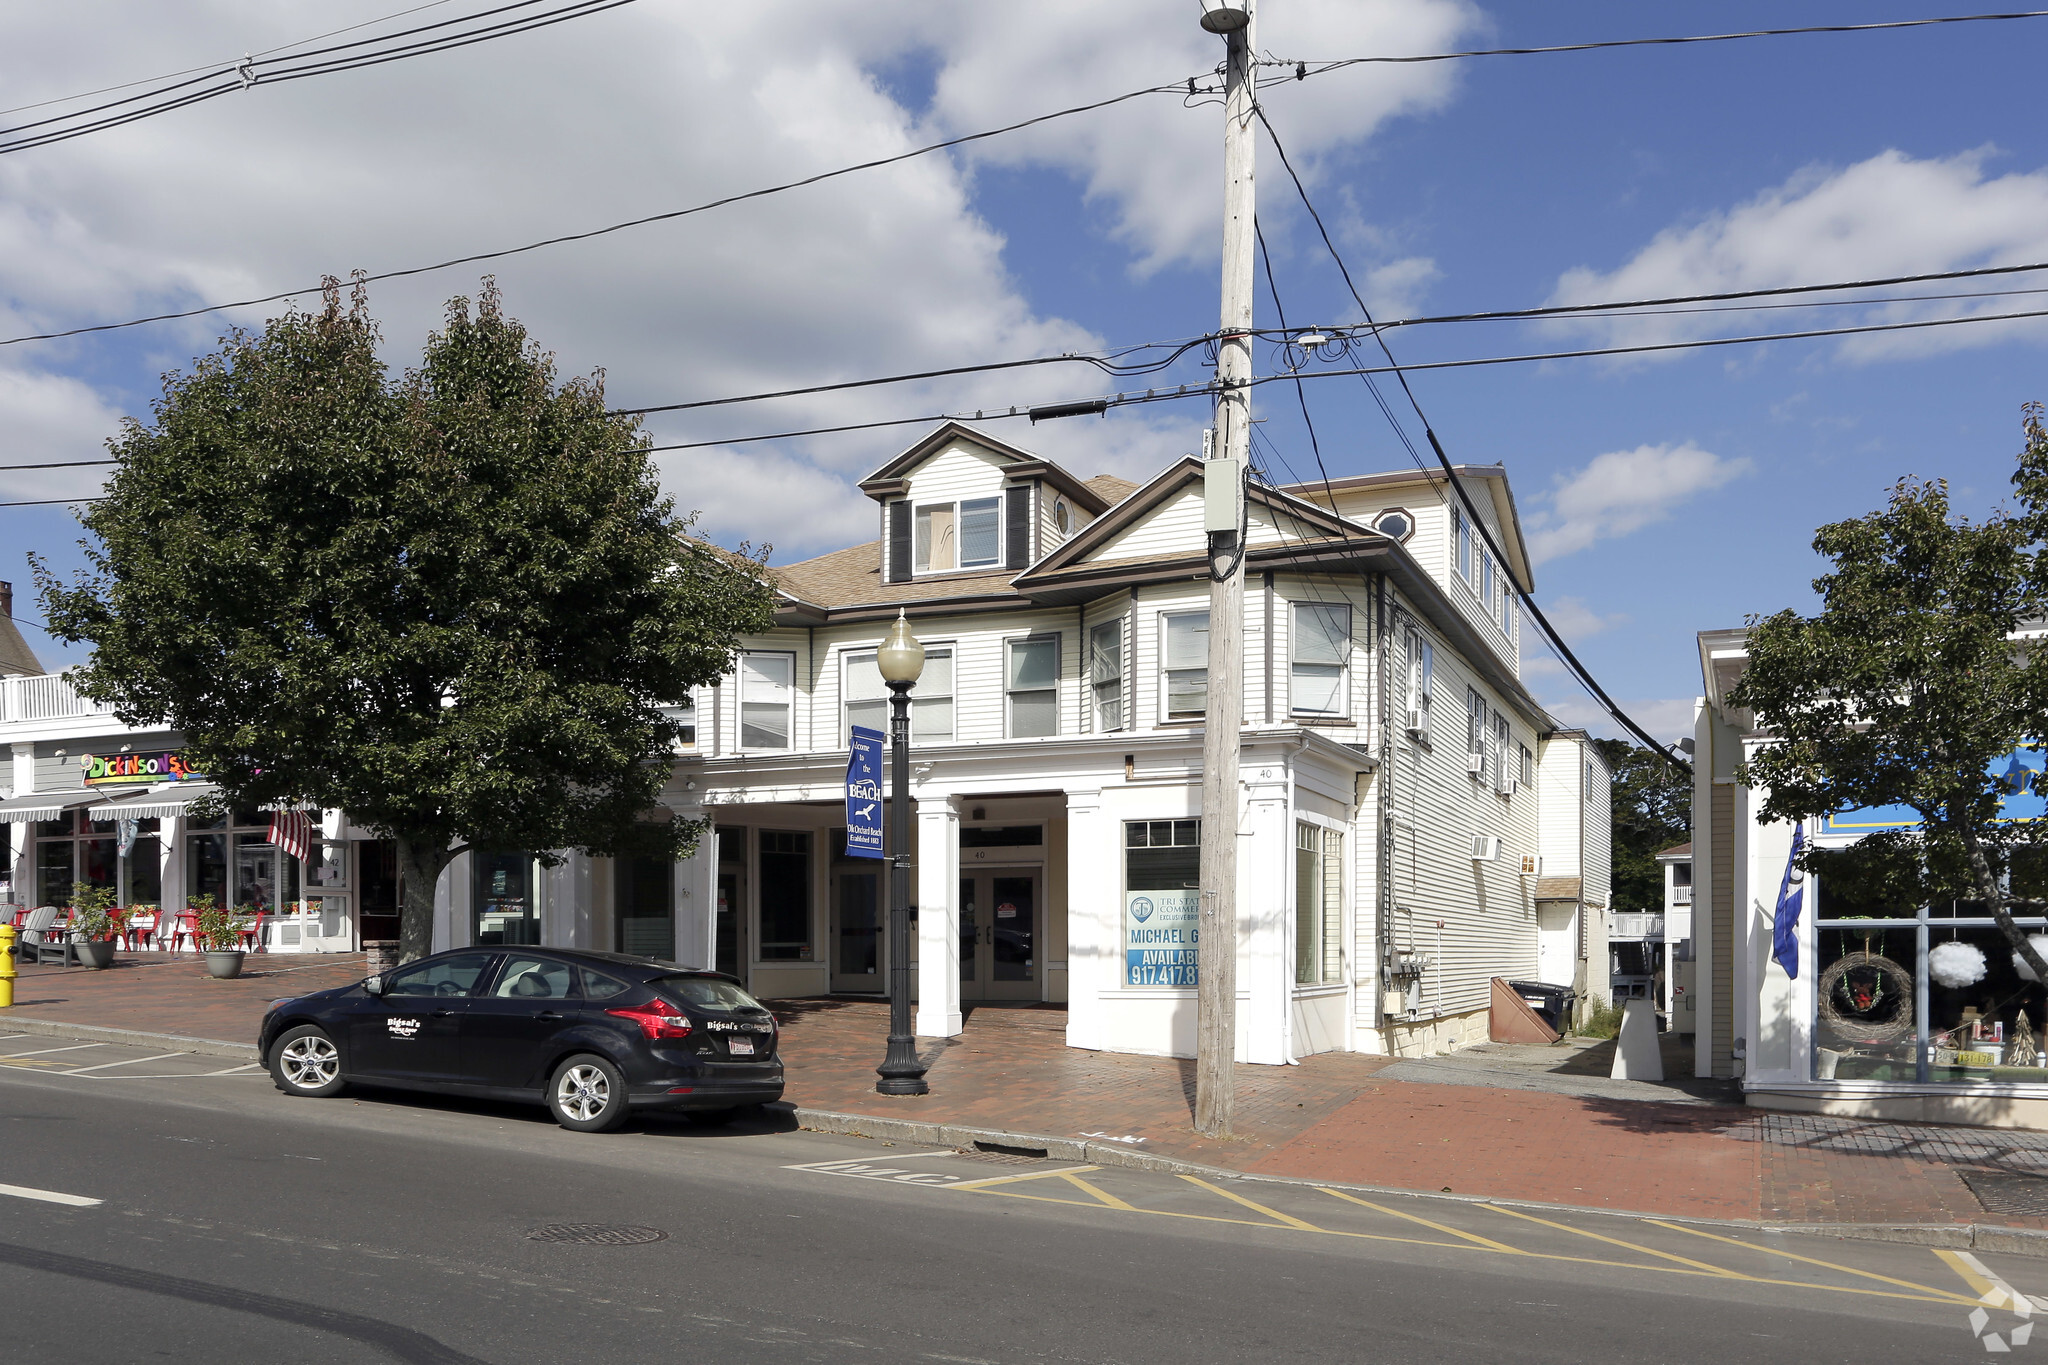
1976, 1236
57, 1028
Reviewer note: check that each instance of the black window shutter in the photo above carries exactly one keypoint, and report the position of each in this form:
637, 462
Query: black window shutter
899, 542
1017, 528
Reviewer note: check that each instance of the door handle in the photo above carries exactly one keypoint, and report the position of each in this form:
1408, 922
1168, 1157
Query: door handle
548, 1014
442, 1014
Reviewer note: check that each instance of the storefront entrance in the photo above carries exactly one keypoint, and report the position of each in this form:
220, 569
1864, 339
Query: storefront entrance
857, 918
729, 946
1000, 929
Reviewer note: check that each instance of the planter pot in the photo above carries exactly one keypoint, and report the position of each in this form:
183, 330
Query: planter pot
96, 953
224, 964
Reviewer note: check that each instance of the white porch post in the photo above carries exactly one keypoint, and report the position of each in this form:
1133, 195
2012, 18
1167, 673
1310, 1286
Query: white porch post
1265, 881
1094, 917
938, 917
697, 901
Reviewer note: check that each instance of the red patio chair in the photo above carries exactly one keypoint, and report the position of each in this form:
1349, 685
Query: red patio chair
186, 928
139, 931
252, 934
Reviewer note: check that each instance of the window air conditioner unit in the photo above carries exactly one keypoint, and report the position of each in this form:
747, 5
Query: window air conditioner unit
1510, 786
1415, 725
1485, 848
1532, 864
1475, 764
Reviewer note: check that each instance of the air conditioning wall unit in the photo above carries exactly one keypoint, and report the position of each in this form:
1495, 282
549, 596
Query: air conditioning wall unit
1475, 764
1485, 848
1417, 722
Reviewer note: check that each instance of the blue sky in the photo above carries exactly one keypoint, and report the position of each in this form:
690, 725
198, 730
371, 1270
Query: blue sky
1664, 496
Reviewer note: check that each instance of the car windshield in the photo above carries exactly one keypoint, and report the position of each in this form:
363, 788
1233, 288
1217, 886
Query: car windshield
709, 993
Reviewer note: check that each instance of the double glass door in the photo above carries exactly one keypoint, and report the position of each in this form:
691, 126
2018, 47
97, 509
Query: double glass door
1000, 955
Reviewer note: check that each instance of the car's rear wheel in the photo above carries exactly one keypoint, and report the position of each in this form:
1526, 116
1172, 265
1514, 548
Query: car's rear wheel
587, 1094
304, 1061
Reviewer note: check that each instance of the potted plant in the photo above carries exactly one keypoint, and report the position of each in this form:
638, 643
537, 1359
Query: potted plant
94, 924
220, 938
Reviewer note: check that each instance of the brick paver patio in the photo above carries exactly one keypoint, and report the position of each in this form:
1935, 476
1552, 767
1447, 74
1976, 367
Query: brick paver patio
1334, 1117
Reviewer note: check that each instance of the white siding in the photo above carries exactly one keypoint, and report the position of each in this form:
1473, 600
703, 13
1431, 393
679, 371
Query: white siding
1174, 528
961, 470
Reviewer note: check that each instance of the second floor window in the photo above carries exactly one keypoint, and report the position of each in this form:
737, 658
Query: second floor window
931, 701
1464, 537
767, 699
1319, 650
1106, 674
1184, 664
962, 535
1031, 682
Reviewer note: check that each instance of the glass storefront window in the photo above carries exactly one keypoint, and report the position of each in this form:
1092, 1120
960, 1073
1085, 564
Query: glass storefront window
1976, 995
1162, 862
785, 896
501, 898
644, 900
1866, 984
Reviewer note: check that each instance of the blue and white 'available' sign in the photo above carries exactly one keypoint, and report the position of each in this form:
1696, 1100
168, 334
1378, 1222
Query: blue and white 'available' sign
864, 794
1161, 933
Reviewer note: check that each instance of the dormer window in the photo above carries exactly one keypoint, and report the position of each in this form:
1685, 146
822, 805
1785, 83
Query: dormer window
958, 535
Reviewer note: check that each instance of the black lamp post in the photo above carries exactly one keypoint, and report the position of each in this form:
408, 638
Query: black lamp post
900, 660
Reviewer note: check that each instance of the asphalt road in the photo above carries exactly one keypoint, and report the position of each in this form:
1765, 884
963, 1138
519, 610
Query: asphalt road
234, 1223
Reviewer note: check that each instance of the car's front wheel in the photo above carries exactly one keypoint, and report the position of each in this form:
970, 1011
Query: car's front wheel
304, 1061
587, 1094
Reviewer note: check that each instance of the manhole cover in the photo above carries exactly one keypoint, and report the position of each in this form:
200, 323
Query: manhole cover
2007, 1192
598, 1234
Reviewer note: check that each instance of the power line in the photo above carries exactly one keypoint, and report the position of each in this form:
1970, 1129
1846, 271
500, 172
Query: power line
705, 207
216, 66
1565, 655
245, 75
1300, 393
1305, 69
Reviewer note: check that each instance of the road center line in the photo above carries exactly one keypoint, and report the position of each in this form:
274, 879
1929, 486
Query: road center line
48, 1196
44, 1052
132, 1061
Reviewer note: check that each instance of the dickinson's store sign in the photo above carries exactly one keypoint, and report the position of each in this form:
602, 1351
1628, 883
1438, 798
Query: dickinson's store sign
135, 770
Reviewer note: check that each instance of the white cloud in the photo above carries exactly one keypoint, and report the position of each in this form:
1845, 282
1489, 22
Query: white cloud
1892, 214
1668, 719
1576, 621
635, 111
51, 418
1623, 491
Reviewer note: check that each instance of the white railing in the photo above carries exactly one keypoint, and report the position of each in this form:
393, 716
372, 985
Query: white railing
1681, 895
1634, 924
43, 696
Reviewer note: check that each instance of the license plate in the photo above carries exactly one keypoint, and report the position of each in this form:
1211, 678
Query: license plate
740, 1047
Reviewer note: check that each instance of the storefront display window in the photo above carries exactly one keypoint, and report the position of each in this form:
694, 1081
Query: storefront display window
501, 898
644, 898
1162, 864
75, 848
785, 896
1938, 997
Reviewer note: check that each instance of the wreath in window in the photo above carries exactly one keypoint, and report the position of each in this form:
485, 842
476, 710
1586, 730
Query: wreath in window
1867, 998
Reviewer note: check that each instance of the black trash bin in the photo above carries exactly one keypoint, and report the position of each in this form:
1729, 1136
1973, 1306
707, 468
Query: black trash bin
1554, 1003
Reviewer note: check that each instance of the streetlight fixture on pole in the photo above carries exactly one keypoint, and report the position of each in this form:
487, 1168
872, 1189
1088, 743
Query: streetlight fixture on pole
1223, 489
900, 660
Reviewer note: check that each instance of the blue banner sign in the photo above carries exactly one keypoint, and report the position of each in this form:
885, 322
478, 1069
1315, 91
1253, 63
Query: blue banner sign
1161, 930
864, 794
2025, 798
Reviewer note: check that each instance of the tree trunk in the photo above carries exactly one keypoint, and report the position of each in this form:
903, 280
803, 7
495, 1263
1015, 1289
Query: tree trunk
420, 864
1987, 884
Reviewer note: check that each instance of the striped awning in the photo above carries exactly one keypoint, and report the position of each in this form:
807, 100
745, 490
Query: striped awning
21, 810
166, 801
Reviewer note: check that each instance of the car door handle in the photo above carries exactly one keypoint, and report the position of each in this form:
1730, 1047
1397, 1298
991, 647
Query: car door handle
548, 1014
442, 1014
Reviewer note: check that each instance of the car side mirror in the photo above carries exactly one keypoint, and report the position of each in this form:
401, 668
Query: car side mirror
374, 986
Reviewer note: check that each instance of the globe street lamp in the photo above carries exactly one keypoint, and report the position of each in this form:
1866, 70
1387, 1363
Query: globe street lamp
900, 660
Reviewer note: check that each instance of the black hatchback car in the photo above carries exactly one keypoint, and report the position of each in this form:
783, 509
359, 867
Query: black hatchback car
590, 1035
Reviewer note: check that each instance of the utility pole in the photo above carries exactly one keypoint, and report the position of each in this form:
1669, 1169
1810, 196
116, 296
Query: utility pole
1223, 484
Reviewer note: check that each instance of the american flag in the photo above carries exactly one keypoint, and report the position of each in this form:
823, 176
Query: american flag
292, 831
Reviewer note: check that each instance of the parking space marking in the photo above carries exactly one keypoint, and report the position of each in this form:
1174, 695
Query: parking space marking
1287, 1218
1992, 1291
1108, 1199
1810, 1260
48, 1196
235, 1070
132, 1061
41, 1052
1486, 1242
1616, 1241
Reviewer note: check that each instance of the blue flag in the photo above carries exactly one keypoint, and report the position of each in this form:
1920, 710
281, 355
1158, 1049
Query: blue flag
864, 794
1791, 895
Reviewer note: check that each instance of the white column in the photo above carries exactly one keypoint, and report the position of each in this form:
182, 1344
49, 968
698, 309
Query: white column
24, 769
1094, 918
1265, 971
938, 917
697, 901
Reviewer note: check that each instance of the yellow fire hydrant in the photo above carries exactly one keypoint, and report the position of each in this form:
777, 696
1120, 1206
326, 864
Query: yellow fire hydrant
6, 966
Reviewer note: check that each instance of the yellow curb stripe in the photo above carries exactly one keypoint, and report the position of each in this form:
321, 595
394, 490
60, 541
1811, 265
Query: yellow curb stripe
1616, 1241
1810, 1260
1107, 1198
1486, 1242
1287, 1218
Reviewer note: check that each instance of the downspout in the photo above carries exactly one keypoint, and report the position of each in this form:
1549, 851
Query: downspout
1269, 646
1384, 891
1081, 668
811, 667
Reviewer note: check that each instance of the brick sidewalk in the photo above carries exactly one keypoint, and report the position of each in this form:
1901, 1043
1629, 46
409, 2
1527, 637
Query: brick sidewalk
1334, 1117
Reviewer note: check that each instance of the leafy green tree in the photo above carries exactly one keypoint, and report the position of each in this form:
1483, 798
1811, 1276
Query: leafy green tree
1907, 689
453, 604
1652, 808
